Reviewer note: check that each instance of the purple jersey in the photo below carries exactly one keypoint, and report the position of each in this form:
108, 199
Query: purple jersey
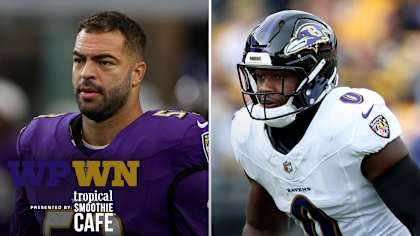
171, 195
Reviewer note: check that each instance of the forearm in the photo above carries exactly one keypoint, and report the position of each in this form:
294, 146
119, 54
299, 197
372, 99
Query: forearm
399, 189
262, 215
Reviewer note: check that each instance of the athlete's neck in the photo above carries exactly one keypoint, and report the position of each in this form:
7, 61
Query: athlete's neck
285, 139
102, 133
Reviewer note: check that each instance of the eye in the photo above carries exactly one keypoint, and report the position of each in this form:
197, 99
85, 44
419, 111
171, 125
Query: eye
77, 60
259, 77
104, 63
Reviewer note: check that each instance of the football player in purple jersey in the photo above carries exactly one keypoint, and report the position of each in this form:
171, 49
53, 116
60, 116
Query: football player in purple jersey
171, 195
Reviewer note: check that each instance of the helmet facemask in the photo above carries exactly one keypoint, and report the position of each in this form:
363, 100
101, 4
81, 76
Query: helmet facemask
278, 116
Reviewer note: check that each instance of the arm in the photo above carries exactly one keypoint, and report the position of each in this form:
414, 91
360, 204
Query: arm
23, 221
188, 193
396, 178
190, 203
262, 215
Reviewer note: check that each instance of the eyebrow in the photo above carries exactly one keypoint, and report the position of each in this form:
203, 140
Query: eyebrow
96, 57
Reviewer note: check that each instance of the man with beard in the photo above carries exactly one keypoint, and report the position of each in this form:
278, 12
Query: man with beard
170, 197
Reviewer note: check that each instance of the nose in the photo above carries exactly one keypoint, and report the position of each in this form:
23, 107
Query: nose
88, 70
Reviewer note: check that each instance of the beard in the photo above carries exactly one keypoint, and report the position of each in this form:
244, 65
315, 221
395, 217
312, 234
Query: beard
112, 100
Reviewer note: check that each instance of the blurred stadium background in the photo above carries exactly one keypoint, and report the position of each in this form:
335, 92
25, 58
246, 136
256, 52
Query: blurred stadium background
379, 43
37, 38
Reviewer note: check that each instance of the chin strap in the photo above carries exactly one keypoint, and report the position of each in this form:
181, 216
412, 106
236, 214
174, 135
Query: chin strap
285, 114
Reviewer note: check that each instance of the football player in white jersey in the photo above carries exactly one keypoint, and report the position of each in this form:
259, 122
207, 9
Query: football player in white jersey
330, 158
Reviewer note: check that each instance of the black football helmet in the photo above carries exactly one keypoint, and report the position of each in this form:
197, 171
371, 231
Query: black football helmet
289, 40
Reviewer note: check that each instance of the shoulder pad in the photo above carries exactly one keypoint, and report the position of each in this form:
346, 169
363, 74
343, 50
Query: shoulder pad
49, 116
41, 130
241, 126
170, 113
354, 96
179, 119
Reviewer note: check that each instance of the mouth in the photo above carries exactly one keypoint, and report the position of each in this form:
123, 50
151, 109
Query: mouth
272, 102
86, 93
269, 104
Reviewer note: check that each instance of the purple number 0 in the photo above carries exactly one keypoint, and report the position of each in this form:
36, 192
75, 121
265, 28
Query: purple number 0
307, 213
352, 97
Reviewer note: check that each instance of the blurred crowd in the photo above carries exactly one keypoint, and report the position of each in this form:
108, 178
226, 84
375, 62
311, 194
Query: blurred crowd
378, 45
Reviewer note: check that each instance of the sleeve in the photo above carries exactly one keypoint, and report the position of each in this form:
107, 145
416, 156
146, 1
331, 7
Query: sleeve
18, 143
23, 221
195, 142
375, 128
190, 203
188, 192
240, 132
398, 188
240, 140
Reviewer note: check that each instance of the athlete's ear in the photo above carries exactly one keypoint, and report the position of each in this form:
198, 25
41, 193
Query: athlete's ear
138, 72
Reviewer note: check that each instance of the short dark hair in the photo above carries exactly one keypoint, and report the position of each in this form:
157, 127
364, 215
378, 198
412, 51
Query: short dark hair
109, 21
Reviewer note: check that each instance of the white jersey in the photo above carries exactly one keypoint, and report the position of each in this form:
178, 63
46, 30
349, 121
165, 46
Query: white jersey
319, 182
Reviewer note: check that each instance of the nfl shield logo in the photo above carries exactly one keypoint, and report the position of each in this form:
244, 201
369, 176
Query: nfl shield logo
287, 166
